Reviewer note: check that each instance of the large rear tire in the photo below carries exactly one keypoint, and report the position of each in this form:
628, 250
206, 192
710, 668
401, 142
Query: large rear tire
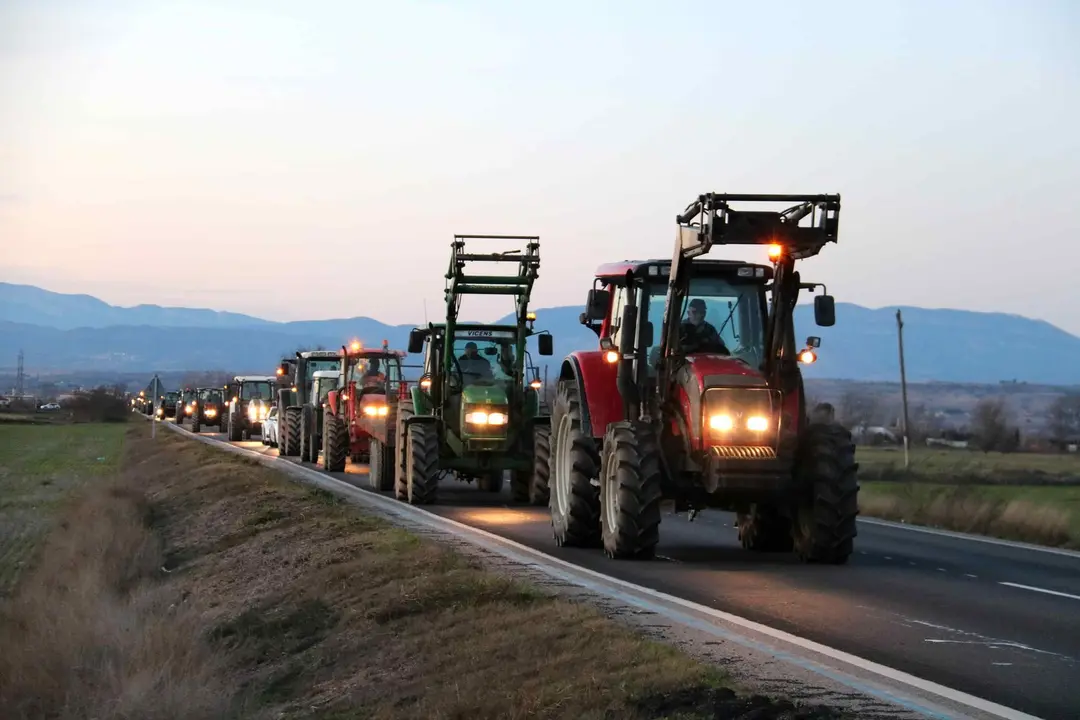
422, 464
335, 442
196, 426
824, 527
574, 500
289, 431
401, 450
764, 529
631, 490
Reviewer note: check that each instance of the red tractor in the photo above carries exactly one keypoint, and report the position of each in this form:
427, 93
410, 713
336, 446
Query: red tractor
361, 414
704, 414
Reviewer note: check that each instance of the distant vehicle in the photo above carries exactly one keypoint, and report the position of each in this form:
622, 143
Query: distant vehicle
50, 406
269, 428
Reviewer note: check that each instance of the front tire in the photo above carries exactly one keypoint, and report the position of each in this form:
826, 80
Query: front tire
401, 451
235, 431
335, 442
631, 490
422, 464
574, 500
381, 467
533, 487
824, 528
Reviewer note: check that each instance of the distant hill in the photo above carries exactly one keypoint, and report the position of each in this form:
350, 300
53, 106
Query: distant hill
79, 332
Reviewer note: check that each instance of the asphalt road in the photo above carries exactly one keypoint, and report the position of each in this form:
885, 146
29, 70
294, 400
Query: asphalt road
995, 621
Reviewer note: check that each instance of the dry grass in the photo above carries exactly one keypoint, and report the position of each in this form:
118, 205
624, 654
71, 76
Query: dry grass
1044, 515
195, 584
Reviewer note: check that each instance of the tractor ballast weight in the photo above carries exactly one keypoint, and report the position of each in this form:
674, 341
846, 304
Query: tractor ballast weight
697, 415
471, 415
360, 420
297, 422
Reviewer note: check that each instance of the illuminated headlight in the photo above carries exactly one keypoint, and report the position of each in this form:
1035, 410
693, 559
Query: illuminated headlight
376, 410
721, 423
211, 412
187, 409
257, 411
757, 423
482, 417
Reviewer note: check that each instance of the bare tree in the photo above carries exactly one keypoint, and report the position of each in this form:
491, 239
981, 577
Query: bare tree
1065, 417
859, 408
990, 426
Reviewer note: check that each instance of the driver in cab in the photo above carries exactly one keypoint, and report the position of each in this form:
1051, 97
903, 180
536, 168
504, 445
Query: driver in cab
373, 376
473, 365
698, 335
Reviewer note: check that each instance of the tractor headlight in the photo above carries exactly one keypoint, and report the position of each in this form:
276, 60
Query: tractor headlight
211, 412
741, 416
376, 410
257, 410
492, 416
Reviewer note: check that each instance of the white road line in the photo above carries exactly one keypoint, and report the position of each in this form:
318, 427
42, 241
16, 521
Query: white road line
863, 664
1040, 590
973, 538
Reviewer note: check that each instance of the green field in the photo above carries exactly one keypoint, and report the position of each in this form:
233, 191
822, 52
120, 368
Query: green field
969, 466
39, 466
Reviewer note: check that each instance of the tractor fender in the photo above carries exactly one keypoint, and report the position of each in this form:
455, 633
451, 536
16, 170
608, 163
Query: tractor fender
422, 419
601, 403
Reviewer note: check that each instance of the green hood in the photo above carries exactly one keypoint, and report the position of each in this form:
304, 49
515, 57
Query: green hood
484, 395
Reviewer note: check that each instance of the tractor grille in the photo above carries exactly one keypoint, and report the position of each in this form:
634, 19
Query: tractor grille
745, 452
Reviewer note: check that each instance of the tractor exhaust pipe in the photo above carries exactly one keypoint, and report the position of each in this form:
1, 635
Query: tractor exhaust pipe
624, 378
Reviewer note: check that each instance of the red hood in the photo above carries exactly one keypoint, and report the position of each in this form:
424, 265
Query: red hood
703, 365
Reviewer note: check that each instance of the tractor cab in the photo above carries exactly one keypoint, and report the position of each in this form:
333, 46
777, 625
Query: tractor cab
322, 382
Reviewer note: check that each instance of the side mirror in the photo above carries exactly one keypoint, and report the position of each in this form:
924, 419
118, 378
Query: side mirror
596, 305
491, 350
824, 310
416, 340
813, 341
545, 344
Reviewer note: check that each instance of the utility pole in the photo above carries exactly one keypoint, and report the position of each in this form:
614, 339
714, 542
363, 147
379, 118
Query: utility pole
903, 387
20, 379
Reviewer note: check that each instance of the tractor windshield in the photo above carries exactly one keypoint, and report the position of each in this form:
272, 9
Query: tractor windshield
210, 396
484, 356
256, 390
315, 365
719, 315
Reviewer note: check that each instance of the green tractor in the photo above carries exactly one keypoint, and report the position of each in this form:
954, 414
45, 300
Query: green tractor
300, 400
476, 411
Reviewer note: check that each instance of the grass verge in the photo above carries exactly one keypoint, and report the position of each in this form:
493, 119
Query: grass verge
1044, 514
968, 467
200, 585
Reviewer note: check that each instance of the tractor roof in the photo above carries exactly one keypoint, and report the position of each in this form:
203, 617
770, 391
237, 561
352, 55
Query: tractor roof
325, 374
380, 353
660, 267
254, 378
310, 354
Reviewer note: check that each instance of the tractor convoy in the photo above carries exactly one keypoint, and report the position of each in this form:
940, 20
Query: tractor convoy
693, 395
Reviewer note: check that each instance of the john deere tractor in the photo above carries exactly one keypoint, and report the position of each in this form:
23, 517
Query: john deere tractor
695, 393
299, 406
476, 412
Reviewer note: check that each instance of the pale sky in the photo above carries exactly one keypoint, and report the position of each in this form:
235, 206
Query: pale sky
214, 153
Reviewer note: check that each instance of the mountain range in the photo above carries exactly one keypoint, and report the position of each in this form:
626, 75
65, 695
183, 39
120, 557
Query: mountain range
63, 332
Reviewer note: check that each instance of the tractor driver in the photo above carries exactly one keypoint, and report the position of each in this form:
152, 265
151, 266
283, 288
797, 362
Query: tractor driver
697, 335
474, 364
373, 376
